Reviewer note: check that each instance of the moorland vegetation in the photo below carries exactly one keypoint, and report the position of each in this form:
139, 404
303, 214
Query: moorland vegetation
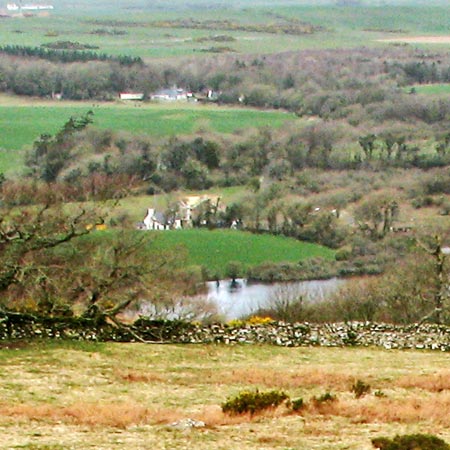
105, 394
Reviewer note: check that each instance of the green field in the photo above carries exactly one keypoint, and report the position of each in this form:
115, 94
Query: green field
430, 89
214, 249
21, 125
80, 395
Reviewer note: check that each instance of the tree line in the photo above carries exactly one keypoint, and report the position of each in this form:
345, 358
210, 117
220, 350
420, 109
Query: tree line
200, 162
354, 86
67, 54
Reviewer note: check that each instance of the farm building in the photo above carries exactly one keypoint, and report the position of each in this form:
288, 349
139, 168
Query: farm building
28, 7
184, 214
131, 96
156, 220
172, 95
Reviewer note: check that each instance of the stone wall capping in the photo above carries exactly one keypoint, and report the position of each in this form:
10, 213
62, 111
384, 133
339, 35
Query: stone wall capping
355, 334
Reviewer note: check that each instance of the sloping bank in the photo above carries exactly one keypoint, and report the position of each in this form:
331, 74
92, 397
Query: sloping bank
426, 336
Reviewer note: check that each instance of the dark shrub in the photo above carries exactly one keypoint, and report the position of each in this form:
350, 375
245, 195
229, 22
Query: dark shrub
297, 404
411, 442
253, 402
325, 398
359, 388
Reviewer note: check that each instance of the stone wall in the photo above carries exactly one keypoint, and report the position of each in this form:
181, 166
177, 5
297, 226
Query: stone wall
430, 337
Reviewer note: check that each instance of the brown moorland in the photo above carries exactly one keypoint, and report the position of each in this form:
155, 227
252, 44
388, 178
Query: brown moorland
57, 395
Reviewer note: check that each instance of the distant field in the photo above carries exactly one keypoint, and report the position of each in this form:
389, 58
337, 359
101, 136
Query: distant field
214, 249
81, 395
129, 30
21, 125
430, 89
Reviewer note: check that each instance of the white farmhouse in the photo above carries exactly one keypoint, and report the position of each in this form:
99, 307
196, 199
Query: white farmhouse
172, 95
155, 220
35, 7
28, 7
137, 96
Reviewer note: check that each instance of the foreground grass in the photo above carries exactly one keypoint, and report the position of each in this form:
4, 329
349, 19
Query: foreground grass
215, 249
112, 396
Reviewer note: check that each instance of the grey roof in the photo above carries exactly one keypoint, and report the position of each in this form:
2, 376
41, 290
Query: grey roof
170, 92
160, 217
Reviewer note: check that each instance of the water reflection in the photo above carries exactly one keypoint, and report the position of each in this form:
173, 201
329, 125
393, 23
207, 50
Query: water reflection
243, 298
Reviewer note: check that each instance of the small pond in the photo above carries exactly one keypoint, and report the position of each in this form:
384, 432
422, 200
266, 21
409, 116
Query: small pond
246, 298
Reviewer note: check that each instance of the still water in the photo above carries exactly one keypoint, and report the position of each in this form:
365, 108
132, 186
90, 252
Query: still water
246, 298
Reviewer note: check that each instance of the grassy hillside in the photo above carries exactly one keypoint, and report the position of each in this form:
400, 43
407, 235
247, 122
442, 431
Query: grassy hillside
214, 249
62, 395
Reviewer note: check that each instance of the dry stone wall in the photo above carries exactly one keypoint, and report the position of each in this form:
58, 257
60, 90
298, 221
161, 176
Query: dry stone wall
427, 337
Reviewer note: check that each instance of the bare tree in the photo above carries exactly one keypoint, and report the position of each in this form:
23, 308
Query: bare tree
57, 263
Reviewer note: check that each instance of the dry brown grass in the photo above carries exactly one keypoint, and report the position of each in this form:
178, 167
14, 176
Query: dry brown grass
79, 395
122, 416
301, 378
92, 415
434, 409
133, 376
436, 382
114, 415
214, 417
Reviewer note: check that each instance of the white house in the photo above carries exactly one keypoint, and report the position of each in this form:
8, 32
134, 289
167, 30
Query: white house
35, 7
155, 220
181, 217
28, 7
131, 96
172, 95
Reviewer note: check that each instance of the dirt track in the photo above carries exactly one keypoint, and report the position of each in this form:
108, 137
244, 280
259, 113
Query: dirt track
420, 40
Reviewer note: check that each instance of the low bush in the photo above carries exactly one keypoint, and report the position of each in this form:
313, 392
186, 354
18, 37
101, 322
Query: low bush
325, 398
297, 404
411, 442
253, 402
379, 394
359, 388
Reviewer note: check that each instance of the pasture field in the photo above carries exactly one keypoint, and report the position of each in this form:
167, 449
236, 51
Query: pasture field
138, 35
430, 89
21, 124
215, 249
63, 395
